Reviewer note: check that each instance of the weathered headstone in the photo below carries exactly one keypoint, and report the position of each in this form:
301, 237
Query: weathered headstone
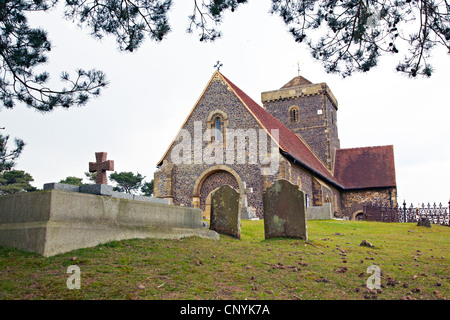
225, 215
284, 211
101, 166
424, 222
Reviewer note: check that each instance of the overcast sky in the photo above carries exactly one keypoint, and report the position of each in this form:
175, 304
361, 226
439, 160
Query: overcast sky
152, 90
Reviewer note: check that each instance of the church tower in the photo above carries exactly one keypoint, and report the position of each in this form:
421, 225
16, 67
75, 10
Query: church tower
310, 111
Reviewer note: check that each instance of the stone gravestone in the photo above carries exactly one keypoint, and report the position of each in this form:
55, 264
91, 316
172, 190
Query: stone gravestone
225, 216
424, 222
284, 211
247, 213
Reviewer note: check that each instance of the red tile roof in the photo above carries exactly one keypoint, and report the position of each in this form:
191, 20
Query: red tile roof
288, 141
368, 167
297, 82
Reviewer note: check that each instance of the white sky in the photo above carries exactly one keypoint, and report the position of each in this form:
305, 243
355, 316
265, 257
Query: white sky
152, 90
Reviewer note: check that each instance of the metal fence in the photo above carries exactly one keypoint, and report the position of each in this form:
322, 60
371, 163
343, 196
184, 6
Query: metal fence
437, 214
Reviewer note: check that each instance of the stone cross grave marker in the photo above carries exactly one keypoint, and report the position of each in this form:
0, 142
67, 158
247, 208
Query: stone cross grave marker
101, 166
225, 216
246, 211
284, 211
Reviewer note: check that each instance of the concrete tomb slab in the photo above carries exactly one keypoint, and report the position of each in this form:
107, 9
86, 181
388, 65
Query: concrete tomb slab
51, 222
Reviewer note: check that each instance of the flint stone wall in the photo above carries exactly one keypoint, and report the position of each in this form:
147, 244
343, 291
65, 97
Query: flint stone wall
217, 97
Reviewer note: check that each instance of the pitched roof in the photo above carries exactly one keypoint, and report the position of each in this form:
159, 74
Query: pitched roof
288, 141
367, 167
298, 81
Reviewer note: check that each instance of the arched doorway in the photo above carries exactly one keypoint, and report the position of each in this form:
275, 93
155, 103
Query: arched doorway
358, 215
212, 182
207, 210
209, 181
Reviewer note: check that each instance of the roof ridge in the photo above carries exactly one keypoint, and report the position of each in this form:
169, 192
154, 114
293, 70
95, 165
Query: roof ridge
354, 148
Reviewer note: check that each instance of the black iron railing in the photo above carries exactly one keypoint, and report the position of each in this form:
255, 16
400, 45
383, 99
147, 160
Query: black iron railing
436, 214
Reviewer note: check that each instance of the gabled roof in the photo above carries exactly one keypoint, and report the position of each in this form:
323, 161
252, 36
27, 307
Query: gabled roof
368, 167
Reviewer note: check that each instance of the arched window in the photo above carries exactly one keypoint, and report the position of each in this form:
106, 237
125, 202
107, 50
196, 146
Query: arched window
217, 123
293, 114
218, 129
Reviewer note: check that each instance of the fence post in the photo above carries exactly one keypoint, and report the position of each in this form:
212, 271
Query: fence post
404, 210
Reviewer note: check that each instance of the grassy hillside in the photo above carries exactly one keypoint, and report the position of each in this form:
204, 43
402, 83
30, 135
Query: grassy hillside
414, 263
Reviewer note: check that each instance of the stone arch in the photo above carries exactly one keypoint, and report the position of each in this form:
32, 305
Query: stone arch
205, 184
215, 113
294, 114
356, 214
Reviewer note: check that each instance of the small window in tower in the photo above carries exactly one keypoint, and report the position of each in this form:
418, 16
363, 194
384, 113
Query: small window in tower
293, 114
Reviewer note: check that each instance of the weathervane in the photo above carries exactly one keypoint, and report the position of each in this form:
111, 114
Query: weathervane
218, 65
298, 68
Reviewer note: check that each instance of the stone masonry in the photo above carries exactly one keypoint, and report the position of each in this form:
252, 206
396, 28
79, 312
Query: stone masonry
317, 123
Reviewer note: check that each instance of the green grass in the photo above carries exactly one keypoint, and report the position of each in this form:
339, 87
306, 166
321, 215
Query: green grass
413, 260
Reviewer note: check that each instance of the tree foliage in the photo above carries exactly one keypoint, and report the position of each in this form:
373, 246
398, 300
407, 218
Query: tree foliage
91, 176
127, 181
345, 35
147, 188
22, 49
72, 181
15, 181
7, 157
210, 13
128, 20
351, 35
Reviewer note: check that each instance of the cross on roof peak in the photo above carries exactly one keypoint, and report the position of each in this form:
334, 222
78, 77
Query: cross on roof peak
218, 65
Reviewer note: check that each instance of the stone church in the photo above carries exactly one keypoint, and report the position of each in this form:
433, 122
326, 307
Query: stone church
300, 121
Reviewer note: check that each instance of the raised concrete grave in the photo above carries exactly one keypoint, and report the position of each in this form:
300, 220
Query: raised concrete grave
284, 211
51, 222
102, 190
